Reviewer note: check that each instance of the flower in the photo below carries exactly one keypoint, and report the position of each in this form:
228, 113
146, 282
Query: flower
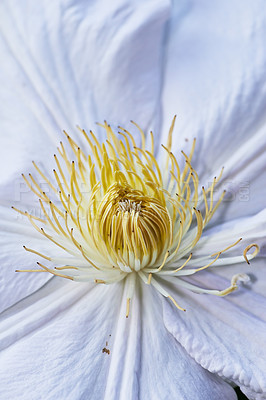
72, 340
119, 217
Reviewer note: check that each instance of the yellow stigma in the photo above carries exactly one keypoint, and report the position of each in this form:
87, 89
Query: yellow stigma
117, 216
132, 226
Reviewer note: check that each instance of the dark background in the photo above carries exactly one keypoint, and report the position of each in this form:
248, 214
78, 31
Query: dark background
240, 395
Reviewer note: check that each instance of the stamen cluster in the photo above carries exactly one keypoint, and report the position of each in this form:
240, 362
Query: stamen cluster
118, 217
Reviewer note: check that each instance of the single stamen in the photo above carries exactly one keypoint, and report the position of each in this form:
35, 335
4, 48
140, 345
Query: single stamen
257, 249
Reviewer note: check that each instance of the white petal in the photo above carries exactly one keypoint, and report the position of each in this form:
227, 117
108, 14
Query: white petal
250, 296
15, 232
55, 340
250, 229
167, 371
214, 75
61, 331
149, 364
69, 63
253, 396
224, 335
256, 272
214, 80
243, 179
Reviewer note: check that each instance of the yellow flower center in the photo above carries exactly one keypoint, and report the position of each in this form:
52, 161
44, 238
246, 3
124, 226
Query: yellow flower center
117, 216
133, 227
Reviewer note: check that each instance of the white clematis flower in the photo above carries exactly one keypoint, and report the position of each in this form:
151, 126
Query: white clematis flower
79, 62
